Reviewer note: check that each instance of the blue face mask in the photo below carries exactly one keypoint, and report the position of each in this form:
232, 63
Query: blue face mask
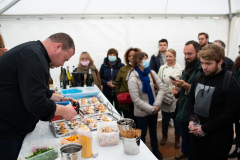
112, 58
145, 63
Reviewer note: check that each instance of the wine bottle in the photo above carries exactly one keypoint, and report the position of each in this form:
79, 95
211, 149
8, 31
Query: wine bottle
89, 77
73, 68
69, 77
61, 77
66, 79
50, 83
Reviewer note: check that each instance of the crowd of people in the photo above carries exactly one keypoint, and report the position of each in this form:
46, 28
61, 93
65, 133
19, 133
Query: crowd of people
201, 98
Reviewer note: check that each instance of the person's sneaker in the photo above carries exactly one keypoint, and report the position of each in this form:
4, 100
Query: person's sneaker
158, 155
180, 156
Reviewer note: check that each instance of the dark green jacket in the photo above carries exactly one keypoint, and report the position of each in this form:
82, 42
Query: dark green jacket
121, 85
181, 110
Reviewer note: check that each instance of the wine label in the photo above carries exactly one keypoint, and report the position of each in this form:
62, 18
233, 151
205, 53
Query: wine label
67, 86
51, 87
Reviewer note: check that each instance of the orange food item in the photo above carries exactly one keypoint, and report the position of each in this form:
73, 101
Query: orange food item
100, 107
71, 139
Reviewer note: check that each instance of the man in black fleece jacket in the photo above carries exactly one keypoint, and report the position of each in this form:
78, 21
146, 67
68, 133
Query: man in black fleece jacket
215, 108
24, 95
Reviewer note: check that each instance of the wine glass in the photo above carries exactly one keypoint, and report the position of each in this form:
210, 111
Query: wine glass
195, 120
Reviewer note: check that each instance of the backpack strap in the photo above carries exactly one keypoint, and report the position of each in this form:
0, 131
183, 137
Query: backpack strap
226, 80
197, 77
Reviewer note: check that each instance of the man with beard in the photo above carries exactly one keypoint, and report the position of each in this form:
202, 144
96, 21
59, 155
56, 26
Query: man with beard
203, 39
193, 66
213, 99
227, 61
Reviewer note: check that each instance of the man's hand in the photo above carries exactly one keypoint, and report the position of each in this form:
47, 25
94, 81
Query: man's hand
195, 130
200, 131
110, 84
175, 90
68, 112
191, 126
68, 99
57, 98
156, 109
178, 83
2, 50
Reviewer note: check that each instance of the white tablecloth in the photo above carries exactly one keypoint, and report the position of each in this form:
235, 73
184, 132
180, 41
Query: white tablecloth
43, 131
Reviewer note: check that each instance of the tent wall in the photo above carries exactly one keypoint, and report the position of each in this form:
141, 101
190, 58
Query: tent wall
234, 39
98, 35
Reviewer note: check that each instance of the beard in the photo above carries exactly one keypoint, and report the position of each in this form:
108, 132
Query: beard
213, 72
192, 63
204, 44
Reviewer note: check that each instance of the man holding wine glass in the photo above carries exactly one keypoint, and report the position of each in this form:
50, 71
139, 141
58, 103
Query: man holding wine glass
181, 89
212, 106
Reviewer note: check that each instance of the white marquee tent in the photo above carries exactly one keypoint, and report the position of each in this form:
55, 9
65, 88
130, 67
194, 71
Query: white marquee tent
98, 25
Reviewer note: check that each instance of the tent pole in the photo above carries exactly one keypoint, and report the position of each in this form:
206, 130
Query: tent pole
8, 6
229, 25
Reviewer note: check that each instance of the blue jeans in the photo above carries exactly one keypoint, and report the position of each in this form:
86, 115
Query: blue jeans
188, 140
166, 117
9, 150
151, 122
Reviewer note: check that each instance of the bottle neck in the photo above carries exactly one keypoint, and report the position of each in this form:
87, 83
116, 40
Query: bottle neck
89, 71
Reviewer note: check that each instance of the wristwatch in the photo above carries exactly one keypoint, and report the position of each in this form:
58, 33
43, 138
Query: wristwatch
62, 98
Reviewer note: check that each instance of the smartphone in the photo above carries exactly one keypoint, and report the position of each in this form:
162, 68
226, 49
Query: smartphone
172, 78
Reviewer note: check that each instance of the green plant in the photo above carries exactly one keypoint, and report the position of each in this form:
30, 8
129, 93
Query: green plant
49, 154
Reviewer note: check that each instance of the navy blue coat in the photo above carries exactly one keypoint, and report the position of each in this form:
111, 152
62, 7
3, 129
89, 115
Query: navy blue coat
155, 62
106, 75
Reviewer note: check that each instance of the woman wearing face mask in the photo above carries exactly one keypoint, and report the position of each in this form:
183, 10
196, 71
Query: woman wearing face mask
173, 69
108, 74
121, 83
84, 62
146, 103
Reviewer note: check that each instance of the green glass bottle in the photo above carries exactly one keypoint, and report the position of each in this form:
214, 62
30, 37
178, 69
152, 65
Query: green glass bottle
89, 80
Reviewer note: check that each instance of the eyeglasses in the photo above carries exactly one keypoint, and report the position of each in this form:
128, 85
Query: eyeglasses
86, 59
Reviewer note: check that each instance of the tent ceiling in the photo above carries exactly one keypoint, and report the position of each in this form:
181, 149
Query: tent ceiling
122, 7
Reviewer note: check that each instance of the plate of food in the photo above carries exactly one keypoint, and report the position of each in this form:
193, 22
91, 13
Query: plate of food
107, 119
94, 101
63, 127
100, 106
89, 110
83, 102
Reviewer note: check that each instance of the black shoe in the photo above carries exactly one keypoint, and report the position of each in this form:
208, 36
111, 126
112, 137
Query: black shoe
158, 155
234, 153
238, 156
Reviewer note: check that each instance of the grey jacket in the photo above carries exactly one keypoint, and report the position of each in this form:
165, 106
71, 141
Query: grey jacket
142, 107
